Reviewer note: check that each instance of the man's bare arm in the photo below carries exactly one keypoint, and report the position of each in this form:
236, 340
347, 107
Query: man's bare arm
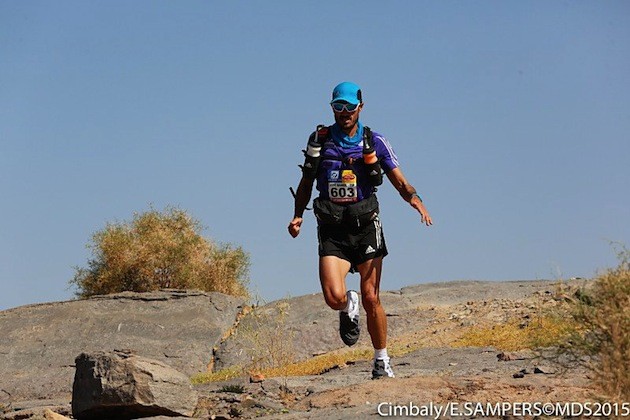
302, 197
409, 194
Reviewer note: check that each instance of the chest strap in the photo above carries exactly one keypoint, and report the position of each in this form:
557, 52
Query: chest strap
322, 134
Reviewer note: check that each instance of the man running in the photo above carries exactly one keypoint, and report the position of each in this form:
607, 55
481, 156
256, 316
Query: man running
346, 160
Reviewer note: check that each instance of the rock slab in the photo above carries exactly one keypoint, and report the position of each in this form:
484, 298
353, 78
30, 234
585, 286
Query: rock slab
39, 342
119, 385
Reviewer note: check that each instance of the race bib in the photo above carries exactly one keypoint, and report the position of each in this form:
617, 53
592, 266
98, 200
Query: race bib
342, 186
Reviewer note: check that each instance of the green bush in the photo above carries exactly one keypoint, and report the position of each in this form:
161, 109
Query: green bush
159, 250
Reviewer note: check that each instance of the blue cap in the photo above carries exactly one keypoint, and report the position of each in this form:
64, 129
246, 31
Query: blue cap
347, 92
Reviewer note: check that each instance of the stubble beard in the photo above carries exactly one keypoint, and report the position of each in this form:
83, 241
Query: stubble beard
347, 122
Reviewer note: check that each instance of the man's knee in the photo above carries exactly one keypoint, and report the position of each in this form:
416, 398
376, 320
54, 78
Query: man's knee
370, 299
335, 300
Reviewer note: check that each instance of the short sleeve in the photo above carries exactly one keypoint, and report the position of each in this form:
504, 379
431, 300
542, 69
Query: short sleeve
385, 153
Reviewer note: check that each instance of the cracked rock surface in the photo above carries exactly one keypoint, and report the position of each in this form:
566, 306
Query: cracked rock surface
40, 342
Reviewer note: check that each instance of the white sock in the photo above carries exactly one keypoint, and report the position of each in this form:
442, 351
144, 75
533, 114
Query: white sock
351, 309
381, 354
348, 306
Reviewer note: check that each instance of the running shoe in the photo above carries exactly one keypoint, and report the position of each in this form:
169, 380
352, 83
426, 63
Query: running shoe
382, 369
349, 328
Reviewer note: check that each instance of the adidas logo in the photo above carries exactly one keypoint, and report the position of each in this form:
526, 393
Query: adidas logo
373, 172
369, 249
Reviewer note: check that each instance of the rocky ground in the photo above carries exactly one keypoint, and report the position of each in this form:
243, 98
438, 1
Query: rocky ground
209, 331
432, 375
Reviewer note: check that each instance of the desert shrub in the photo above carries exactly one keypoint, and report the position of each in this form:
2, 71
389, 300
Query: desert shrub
157, 250
269, 341
603, 316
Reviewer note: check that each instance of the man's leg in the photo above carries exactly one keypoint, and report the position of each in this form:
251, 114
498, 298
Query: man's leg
333, 271
370, 272
332, 275
377, 320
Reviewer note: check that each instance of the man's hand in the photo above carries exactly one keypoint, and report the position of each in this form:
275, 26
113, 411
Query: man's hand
425, 217
405, 190
294, 226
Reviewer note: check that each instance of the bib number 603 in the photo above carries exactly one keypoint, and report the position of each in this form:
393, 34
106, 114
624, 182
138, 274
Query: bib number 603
342, 192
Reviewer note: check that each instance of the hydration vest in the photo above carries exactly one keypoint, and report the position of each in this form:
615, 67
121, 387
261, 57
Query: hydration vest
312, 155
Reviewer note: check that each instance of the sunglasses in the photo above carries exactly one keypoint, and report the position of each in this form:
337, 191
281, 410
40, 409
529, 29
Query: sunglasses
340, 107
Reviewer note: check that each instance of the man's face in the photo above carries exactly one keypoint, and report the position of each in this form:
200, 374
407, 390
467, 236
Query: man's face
347, 119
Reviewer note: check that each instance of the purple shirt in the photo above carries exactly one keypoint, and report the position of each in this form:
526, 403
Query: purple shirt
334, 165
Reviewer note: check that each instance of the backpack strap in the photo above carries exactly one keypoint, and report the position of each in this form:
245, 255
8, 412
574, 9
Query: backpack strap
370, 159
368, 140
313, 149
322, 134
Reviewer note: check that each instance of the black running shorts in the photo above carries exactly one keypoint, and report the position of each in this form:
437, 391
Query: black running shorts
352, 244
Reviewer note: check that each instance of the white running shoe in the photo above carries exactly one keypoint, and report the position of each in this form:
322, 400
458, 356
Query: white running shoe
349, 328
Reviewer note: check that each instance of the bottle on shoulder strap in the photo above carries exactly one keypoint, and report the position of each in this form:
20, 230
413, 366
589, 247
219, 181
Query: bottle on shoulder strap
313, 150
370, 159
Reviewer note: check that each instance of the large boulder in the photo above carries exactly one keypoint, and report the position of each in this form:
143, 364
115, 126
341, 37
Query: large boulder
121, 385
39, 342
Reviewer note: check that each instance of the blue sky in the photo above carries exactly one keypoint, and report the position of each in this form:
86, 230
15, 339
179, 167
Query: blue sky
511, 118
